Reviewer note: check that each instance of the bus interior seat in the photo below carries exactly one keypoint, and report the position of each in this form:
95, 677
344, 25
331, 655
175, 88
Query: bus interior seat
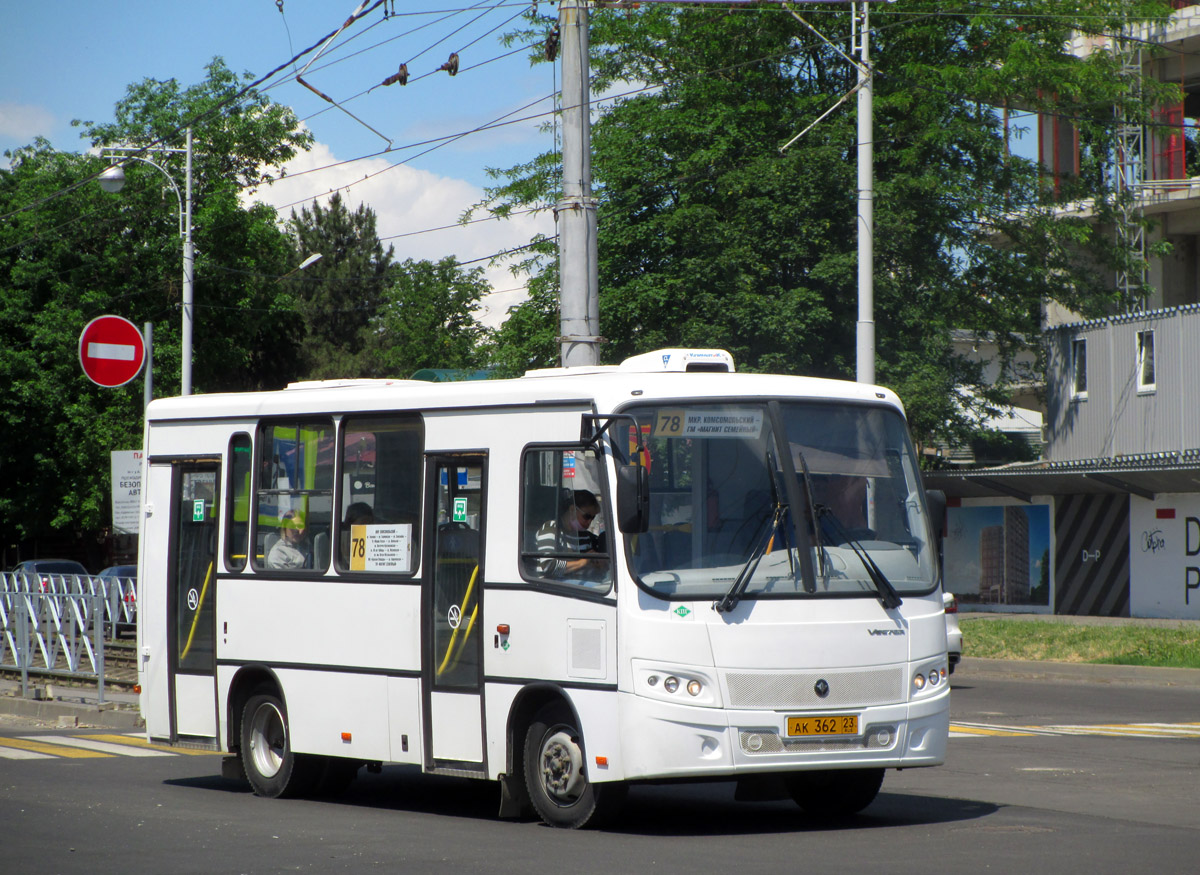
321, 551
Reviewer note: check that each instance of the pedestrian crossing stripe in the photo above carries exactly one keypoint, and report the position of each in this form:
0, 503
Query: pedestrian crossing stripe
98, 746
140, 741
26, 746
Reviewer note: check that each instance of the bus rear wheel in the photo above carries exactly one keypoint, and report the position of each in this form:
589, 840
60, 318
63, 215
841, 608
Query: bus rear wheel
271, 767
556, 774
834, 792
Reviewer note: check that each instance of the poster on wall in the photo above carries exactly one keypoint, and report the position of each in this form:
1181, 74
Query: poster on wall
998, 554
1164, 556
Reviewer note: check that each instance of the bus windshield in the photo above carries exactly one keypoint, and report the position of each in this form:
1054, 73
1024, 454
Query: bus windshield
719, 502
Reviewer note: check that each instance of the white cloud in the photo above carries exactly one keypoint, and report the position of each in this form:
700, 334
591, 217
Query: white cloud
22, 122
408, 200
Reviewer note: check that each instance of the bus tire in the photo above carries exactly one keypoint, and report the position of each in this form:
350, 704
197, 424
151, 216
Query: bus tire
834, 792
271, 767
556, 774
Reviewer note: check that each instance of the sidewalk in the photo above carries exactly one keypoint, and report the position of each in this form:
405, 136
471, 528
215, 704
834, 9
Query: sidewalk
68, 707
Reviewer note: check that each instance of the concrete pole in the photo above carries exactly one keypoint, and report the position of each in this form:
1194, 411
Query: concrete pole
148, 366
575, 212
185, 352
865, 335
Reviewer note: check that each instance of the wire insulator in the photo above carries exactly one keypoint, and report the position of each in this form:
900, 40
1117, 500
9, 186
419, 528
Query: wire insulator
400, 76
451, 65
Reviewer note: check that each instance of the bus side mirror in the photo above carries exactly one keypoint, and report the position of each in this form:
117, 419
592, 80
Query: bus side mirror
633, 499
935, 499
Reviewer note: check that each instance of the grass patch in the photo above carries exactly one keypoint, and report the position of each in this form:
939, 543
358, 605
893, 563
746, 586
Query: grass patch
993, 638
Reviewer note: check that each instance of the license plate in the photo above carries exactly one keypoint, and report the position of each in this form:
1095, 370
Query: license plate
841, 724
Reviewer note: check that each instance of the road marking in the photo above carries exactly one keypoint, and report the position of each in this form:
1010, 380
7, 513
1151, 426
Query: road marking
87, 743
16, 753
138, 741
1136, 730
1113, 730
54, 750
973, 730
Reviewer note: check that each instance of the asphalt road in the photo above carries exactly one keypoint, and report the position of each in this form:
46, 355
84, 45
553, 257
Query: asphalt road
1042, 776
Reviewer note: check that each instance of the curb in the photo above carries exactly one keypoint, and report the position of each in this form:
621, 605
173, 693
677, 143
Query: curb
68, 715
1135, 675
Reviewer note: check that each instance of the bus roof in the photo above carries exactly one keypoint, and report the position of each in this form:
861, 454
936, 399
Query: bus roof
657, 376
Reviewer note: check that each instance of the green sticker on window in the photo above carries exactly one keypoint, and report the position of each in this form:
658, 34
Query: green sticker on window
198, 510
460, 510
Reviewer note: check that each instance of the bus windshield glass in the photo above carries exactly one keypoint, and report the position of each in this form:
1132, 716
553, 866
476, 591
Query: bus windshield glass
719, 501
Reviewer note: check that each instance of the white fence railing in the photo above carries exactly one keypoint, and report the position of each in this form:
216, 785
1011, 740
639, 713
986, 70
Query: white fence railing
57, 624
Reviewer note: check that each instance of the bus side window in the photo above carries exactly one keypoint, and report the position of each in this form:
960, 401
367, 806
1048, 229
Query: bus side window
564, 529
378, 523
237, 521
294, 496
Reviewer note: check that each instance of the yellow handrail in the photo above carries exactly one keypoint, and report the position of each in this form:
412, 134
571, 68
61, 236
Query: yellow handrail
470, 624
196, 618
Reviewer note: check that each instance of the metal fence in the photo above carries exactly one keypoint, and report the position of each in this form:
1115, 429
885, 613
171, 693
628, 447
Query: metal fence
57, 625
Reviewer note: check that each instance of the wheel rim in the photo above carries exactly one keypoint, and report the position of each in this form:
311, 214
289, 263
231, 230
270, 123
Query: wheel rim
268, 740
562, 767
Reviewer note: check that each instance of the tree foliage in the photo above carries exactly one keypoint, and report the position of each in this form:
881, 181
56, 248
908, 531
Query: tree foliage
712, 234
70, 252
337, 299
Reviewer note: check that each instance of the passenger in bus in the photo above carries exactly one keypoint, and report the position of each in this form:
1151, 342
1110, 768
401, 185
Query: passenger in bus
571, 533
293, 549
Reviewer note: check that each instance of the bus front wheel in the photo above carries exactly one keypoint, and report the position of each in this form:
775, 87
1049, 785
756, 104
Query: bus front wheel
271, 767
834, 792
556, 774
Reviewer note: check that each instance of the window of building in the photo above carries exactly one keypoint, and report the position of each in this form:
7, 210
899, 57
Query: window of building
1079, 367
237, 526
1145, 360
563, 522
294, 496
380, 514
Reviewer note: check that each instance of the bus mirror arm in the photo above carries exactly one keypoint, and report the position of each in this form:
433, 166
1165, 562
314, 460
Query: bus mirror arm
633, 499
592, 427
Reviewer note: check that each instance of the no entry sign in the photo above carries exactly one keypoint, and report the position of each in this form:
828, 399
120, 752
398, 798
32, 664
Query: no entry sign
111, 351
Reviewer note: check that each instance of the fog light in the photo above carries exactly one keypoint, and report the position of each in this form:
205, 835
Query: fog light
694, 688
919, 682
652, 680
671, 684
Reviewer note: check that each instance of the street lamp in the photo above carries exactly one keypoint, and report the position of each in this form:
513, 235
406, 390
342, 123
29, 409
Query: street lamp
113, 180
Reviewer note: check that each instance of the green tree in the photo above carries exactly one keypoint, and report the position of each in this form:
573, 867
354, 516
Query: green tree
70, 252
336, 299
712, 235
428, 320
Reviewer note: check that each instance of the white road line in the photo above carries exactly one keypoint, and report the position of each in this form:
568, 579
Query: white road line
16, 753
124, 750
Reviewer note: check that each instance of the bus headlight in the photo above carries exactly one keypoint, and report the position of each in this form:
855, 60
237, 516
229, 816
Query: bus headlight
929, 678
683, 685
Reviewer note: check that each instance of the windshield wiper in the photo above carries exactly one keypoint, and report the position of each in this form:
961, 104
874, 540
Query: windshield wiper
733, 595
819, 542
888, 597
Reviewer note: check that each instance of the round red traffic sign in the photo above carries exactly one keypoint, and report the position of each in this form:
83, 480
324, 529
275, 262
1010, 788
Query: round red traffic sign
111, 351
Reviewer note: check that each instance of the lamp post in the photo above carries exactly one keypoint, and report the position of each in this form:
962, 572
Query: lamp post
113, 180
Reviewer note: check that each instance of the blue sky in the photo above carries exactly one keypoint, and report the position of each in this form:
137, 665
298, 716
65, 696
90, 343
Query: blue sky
71, 59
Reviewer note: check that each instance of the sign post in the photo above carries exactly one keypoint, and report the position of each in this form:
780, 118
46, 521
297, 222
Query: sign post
111, 351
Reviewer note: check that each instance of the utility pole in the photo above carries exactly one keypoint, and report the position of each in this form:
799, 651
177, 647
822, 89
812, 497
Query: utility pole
865, 333
575, 212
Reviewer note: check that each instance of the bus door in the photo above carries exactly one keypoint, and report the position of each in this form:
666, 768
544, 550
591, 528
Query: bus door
453, 609
191, 601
